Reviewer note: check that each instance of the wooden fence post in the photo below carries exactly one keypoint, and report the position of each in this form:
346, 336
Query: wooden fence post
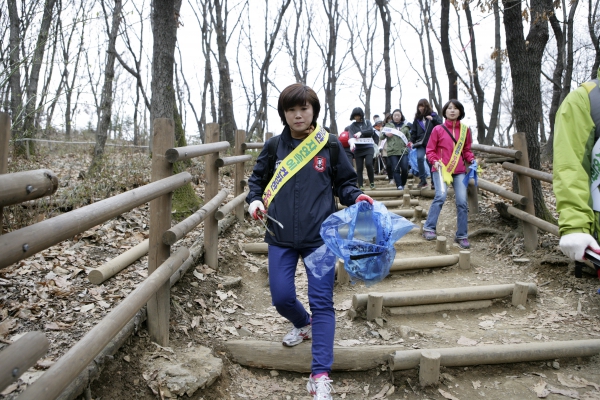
4, 142
211, 188
529, 230
268, 136
160, 221
472, 197
239, 176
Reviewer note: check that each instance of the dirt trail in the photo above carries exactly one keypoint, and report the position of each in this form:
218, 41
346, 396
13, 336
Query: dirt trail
566, 308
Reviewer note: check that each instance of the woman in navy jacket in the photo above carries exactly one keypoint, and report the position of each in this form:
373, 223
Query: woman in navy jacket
301, 205
425, 121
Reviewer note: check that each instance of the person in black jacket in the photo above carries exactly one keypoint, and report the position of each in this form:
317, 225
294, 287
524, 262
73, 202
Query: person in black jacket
425, 120
362, 145
301, 205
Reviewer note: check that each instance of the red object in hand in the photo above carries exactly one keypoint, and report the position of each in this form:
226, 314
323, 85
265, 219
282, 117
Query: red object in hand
364, 197
409, 144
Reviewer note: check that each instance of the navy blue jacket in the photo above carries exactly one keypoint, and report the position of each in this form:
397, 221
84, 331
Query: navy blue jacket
307, 199
417, 132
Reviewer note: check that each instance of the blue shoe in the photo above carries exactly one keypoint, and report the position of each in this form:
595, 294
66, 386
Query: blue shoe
430, 235
400, 187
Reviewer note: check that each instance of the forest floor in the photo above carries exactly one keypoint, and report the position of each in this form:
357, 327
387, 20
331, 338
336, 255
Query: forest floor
50, 293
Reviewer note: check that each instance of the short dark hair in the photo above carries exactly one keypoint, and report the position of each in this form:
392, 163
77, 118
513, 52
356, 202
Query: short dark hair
298, 94
458, 105
402, 119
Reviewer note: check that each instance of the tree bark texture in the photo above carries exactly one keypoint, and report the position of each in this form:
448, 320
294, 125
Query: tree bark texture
386, 22
592, 18
16, 97
226, 115
525, 57
447, 52
493, 125
333, 19
34, 74
107, 89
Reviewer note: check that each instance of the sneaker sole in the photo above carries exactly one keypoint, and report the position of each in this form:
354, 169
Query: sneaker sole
292, 344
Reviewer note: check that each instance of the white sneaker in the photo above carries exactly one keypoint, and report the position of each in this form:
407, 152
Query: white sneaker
297, 335
320, 388
392, 182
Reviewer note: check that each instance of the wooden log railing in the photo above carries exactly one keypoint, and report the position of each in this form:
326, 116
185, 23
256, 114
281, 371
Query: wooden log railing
20, 356
525, 198
27, 185
154, 292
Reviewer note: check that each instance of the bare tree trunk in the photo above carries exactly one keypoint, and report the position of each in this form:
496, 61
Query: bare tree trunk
331, 67
489, 138
16, 98
34, 75
226, 115
592, 19
447, 52
364, 61
106, 100
386, 22
298, 52
69, 86
525, 57
270, 38
560, 87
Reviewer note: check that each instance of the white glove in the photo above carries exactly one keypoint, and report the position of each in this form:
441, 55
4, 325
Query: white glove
352, 143
573, 245
254, 207
357, 135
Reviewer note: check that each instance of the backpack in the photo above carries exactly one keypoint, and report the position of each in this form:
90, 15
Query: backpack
332, 145
344, 136
593, 90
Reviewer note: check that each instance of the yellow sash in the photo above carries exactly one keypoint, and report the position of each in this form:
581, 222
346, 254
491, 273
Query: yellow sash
294, 162
448, 170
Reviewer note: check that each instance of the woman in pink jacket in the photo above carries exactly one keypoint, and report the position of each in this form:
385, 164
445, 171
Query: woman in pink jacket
440, 149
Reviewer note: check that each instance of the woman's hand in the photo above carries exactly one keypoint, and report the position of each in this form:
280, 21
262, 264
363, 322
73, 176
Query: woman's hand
429, 117
409, 145
389, 134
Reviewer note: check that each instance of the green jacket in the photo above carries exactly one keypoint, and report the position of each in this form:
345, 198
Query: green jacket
395, 146
573, 142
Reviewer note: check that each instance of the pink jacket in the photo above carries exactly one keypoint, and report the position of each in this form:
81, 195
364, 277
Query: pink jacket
441, 145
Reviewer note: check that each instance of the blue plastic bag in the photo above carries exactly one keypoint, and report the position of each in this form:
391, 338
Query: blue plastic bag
414, 165
363, 235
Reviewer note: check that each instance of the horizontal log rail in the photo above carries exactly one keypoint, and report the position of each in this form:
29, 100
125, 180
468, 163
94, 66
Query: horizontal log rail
68, 367
404, 264
112, 267
517, 154
498, 354
224, 161
532, 173
252, 146
25, 242
26, 185
230, 206
171, 236
18, 357
189, 152
500, 191
533, 220
435, 296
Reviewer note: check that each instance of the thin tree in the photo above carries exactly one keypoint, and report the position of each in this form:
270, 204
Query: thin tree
269, 41
106, 100
298, 47
361, 37
485, 132
23, 112
563, 66
386, 22
592, 20
427, 73
446, 51
226, 114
